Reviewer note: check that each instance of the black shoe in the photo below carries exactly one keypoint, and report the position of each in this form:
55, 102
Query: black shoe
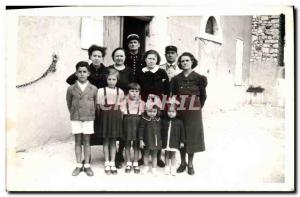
161, 163
141, 162
181, 168
128, 169
76, 171
89, 171
113, 170
136, 169
191, 170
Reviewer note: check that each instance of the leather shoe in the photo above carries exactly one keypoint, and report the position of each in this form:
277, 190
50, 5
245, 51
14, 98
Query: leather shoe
161, 163
76, 171
181, 168
89, 171
191, 170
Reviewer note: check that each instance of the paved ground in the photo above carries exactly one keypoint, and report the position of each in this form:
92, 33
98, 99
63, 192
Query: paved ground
245, 151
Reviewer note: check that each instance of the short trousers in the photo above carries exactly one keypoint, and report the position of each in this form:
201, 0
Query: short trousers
84, 127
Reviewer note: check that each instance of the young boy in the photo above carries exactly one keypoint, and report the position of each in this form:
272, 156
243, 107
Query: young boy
81, 101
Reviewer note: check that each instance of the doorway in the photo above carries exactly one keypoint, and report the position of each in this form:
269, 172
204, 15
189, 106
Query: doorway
135, 25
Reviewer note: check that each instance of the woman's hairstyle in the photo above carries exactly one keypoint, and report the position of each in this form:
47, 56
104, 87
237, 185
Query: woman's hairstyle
112, 71
96, 48
134, 86
117, 49
151, 52
193, 59
83, 64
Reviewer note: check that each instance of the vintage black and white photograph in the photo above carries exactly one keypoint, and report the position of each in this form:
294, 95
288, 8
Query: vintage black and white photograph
149, 99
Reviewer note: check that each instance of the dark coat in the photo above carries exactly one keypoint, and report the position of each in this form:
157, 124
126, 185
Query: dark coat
149, 131
97, 77
177, 133
192, 85
154, 83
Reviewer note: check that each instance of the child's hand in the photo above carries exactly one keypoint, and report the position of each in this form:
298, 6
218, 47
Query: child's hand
181, 144
142, 144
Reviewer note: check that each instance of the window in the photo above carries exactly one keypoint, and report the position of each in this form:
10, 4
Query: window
210, 29
91, 31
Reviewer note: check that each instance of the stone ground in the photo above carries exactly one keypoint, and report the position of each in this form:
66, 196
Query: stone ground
245, 151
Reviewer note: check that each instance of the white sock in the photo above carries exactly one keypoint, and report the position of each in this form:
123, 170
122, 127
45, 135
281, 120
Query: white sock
87, 165
79, 165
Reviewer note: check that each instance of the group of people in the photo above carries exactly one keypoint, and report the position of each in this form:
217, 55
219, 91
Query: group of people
144, 105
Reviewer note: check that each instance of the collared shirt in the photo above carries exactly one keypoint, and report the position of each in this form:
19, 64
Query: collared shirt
171, 69
153, 70
82, 86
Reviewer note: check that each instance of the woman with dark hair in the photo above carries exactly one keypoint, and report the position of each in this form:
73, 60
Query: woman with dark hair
125, 72
189, 87
153, 79
97, 69
98, 75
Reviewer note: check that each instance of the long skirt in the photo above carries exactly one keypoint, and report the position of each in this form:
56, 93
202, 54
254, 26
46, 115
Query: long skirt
193, 124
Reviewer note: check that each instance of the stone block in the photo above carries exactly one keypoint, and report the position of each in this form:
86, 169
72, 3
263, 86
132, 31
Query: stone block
265, 50
265, 18
275, 46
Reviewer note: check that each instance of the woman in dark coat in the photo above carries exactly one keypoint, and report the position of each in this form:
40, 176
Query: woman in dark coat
189, 87
98, 75
125, 72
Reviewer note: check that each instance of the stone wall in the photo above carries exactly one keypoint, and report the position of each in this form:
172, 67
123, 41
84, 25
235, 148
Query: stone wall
265, 38
266, 60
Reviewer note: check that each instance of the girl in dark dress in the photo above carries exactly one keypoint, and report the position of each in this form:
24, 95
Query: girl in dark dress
150, 136
190, 87
132, 109
98, 75
110, 124
173, 137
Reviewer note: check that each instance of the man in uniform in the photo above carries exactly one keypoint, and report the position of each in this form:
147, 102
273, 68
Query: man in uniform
133, 55
171, 67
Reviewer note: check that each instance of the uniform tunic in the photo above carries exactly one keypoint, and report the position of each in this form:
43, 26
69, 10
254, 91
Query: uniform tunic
149, 132
192, 86
172, 133
134, 61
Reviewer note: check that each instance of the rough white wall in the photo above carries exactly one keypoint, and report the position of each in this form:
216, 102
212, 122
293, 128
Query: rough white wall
42, 114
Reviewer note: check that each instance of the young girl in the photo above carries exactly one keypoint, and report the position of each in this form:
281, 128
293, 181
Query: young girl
132, 109
110, 118
154, 81
150, 136
173, 137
